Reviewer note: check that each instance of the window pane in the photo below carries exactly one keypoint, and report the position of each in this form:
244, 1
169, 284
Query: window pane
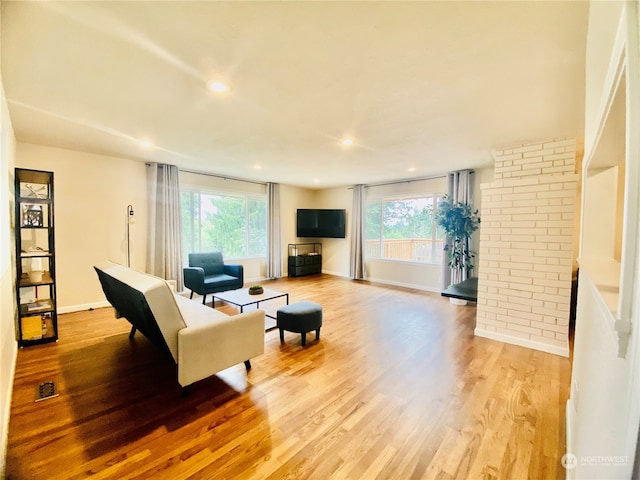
372, 231
235, 225
406, 231
257, 227
223, 224
190, 205
440, 236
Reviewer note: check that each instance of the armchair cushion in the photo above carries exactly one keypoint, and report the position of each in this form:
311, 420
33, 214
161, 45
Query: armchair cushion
214, 281
210, 262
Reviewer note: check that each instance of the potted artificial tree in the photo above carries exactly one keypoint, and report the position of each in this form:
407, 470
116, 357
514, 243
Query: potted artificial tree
458, 221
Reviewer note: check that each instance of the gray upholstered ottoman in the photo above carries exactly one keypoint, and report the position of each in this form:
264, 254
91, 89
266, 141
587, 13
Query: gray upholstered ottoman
299, 317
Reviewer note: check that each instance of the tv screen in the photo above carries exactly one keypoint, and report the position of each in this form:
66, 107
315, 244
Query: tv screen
321, 223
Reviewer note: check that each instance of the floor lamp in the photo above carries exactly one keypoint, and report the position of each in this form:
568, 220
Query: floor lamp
130, 220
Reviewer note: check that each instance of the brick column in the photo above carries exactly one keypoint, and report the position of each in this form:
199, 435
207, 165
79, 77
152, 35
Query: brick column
526, 246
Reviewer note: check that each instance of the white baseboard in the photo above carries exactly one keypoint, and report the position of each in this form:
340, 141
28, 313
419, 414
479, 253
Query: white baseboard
387, 282
424, 288
337, 274
523, 342
85, 306
569, 473
255, 280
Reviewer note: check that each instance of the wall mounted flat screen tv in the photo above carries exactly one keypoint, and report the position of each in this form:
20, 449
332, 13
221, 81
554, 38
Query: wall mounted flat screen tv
321, 223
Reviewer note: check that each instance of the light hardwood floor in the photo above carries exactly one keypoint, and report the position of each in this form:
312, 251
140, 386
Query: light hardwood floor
397, 387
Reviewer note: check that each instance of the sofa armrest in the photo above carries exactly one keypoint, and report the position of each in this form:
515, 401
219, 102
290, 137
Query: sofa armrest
204, 350
194, 279
235, 271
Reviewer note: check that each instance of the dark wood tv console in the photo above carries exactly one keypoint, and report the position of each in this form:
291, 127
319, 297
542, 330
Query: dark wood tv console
305, 259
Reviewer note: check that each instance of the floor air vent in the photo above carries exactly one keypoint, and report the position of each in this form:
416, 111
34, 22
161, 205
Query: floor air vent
46, 390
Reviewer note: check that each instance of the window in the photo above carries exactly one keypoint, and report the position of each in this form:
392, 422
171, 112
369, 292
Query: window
403, 228
233, 224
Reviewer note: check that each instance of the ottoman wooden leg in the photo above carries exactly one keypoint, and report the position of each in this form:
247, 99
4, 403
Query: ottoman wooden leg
281, 335
304, 338
318, 334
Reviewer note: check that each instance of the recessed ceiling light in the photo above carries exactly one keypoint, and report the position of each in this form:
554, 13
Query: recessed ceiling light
347, 142
412, 169
145, 144
216, 86
257, 167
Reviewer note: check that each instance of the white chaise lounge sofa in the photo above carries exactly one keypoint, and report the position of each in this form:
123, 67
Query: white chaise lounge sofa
201, 340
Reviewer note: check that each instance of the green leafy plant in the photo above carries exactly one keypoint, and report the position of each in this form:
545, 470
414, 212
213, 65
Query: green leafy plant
255, 287
458, 221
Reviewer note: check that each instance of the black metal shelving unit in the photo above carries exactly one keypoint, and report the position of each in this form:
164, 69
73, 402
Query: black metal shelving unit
37, 316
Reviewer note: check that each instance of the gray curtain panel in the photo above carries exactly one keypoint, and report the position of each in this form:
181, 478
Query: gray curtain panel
356, 269
460, 190
164, 254
274, 259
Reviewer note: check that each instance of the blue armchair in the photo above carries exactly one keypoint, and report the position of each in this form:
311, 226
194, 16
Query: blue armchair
207, 273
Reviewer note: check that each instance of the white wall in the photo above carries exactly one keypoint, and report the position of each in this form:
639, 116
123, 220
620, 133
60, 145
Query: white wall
603, 23
336, 252
90, 207
292, 198
8, 344
603, 412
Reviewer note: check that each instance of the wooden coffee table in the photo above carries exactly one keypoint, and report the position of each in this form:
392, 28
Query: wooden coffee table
241, 298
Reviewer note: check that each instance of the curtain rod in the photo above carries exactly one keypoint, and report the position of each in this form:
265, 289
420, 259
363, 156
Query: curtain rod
409, 180
405, 181
224, 177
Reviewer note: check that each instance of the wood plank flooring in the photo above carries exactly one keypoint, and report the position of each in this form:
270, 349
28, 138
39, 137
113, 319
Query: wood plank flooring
397, 387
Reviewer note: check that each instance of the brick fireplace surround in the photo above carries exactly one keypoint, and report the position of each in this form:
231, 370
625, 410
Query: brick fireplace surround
526, 246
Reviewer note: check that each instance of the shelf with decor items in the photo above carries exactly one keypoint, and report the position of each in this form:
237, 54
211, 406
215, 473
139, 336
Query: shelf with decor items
305, 259
36, 312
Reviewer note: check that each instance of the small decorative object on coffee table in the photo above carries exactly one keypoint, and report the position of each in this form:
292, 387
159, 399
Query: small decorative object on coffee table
256, 290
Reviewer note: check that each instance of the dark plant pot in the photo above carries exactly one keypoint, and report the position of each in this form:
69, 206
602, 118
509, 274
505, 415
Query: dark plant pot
257, 291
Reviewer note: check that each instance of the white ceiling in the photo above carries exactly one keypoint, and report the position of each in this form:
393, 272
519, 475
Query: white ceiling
432, 86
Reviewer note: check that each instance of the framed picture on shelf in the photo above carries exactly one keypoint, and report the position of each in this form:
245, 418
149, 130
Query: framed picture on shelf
32, 215
34, 190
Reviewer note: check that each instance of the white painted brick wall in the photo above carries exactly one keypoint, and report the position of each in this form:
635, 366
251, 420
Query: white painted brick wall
553, 157
526, 245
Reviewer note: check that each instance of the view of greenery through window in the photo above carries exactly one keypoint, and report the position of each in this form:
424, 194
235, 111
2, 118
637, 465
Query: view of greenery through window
404, 229
235, 225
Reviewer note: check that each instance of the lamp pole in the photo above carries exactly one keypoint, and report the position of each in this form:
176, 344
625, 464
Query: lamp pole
130, 220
